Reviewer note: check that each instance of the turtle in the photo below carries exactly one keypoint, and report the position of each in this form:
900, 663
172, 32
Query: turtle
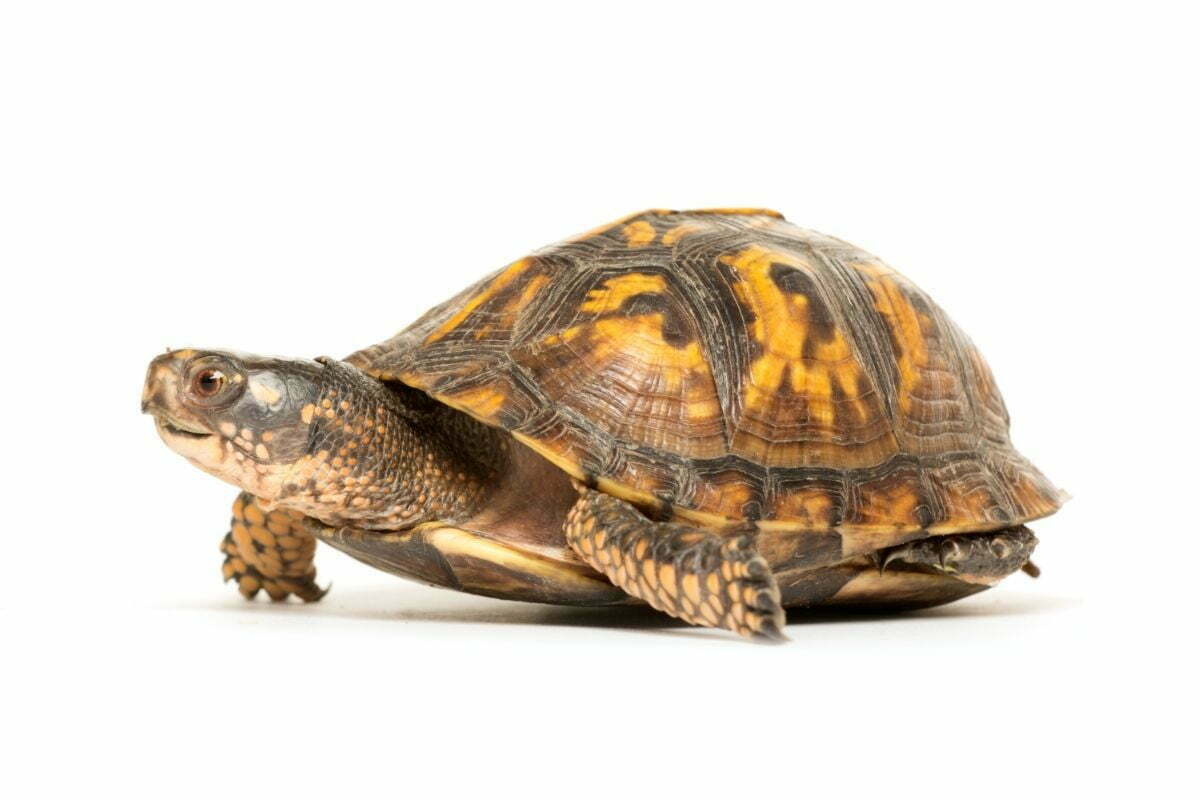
715, 412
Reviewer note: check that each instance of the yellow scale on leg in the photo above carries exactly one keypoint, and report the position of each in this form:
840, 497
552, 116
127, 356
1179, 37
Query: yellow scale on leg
269, 551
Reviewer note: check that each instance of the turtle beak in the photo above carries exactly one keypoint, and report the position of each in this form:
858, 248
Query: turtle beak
160, 395
162, 380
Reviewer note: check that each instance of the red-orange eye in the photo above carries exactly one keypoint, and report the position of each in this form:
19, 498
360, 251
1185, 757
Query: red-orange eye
208, 382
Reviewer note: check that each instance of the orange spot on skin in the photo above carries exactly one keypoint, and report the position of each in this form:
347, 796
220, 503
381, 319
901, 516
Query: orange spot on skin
650, 576
666, 579
264, 393
254, 515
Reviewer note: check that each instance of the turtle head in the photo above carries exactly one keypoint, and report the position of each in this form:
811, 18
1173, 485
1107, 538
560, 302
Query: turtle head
246, 419
320, 437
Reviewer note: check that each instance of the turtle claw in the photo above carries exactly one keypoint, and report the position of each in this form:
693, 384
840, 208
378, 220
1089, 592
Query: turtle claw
950, 555
689, 573
985, 556
250, 582
896, 554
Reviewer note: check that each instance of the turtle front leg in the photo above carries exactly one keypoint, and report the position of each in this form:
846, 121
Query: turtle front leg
696, 575
270, 551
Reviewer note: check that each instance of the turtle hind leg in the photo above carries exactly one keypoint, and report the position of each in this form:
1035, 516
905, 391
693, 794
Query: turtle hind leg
270, 551
919, 574
983, 558
690, 573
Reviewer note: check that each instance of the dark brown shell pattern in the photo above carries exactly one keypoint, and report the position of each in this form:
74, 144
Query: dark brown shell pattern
729, 368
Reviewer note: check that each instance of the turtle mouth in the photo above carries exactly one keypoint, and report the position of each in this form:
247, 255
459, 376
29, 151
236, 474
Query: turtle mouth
177, 428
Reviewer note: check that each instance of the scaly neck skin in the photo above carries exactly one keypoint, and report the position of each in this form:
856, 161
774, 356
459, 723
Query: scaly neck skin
387, 459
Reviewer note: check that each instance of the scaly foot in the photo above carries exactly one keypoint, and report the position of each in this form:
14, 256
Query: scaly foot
269, 551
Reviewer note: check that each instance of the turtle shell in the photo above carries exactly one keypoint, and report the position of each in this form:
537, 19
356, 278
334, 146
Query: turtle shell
726, 367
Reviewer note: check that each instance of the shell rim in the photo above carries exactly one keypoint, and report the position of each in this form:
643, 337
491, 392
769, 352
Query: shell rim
646, 500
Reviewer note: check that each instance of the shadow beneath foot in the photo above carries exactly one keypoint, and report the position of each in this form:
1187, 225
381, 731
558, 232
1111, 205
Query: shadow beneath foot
980, 605
419, 605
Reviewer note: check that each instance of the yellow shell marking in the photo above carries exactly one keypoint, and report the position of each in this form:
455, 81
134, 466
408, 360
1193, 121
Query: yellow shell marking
908, 326
615, 291
484, 402
679, 231
782, 328
638, 234
640, 338
506, 316
499, 282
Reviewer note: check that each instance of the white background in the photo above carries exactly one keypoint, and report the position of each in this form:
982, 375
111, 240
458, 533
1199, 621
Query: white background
305, 179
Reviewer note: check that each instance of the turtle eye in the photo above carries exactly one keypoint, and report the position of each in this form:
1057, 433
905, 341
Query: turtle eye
214, 381
208, 383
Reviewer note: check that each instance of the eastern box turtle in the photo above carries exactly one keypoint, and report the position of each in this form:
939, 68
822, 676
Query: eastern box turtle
713, 412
